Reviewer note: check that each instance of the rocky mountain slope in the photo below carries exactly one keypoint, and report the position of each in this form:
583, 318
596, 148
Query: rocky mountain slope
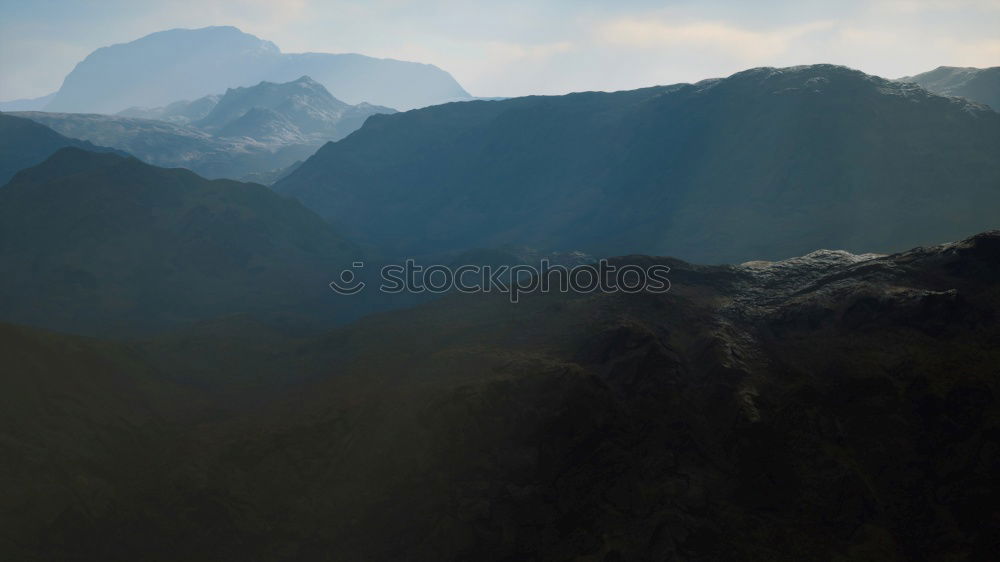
980, 85
303, 104
827, 407
768, 163
178, 64
166, 144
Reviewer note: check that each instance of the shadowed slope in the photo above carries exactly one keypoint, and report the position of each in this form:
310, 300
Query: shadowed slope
826, 407
102, 243
24, 143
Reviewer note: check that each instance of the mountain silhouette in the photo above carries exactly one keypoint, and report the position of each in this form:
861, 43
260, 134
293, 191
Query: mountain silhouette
768, 163
179, 64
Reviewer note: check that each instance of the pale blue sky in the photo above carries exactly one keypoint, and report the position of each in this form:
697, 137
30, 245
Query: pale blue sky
518, 47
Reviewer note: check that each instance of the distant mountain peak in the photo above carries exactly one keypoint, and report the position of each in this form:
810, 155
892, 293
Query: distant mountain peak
282, 110
214, 32
178, 64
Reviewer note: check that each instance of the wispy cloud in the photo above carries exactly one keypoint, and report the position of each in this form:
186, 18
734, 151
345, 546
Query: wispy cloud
925, 6
738, 42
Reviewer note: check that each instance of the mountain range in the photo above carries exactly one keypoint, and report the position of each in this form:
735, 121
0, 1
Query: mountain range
179, 382
186, 64
831, 406
977, 84
767, 163
261, 129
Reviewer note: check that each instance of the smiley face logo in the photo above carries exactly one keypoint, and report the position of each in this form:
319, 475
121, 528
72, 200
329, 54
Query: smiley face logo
348, 283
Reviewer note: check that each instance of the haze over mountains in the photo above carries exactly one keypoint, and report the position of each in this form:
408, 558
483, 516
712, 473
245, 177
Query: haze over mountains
26, 104
180, 112
255, 130
186, 64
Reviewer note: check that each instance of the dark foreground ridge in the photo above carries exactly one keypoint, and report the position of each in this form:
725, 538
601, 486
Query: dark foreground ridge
828, 407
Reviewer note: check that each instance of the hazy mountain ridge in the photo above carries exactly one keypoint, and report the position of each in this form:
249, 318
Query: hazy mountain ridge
261, 129
766, 163
179, 112
177, 64
804, 409
981, 85
27, 104
171, 145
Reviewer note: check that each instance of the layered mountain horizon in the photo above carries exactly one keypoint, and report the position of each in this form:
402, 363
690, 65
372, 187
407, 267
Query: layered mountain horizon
256, 130
765, 163
265, 306
243, 52
177, 64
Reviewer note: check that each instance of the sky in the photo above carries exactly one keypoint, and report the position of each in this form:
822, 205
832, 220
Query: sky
520, 47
